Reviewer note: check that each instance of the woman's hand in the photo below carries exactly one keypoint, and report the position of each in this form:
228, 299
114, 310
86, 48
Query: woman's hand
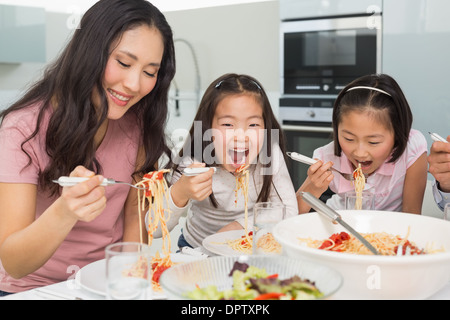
38, 239
439, 163
86, 200
197, 187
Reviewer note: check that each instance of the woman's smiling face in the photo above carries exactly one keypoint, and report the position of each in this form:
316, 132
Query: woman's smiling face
238, 130
365, 140
132, 69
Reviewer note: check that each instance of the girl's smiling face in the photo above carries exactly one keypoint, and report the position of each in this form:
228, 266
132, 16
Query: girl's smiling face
132, 69
365, 139
238, 130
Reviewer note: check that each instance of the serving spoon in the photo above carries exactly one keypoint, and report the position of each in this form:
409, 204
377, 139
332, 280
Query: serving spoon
335, 217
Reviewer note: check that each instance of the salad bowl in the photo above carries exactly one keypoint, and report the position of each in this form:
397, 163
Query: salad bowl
213, 274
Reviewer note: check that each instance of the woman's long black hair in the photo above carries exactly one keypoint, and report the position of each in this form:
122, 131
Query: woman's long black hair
68, 83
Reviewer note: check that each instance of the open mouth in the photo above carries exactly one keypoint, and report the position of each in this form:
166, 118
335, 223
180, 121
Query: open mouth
238, 156
365, 164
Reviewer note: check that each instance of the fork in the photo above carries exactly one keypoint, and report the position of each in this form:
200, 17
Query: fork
307, 160
196, 171
50, 294
437, 137
65, 181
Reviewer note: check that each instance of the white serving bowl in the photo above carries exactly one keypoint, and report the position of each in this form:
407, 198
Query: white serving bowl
370, 276
180, 279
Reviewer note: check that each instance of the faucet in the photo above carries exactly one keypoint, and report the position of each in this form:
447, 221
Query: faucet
177, 98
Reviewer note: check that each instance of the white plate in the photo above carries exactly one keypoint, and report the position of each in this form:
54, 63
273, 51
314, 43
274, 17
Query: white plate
216, 243
92, 277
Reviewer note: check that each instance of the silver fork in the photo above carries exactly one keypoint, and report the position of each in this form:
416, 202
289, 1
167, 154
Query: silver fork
71, 181
307, 160
437, 137
189, 172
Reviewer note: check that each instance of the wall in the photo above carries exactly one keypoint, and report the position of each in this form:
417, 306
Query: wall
15, 78
236, 38
416, 46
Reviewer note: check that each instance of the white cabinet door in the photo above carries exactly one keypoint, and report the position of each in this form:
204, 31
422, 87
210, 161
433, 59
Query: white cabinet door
22, 34
416, 51
300, 9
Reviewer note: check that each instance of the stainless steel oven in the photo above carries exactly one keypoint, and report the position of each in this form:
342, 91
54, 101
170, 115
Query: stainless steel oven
321, 56
304, 140
306, 123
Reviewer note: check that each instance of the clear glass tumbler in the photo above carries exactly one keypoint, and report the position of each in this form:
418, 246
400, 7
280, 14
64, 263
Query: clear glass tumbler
265, 216
128, 271
353, 202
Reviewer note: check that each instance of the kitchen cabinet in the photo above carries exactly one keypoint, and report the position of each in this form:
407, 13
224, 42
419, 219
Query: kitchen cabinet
22, 34
416, 50
295, 9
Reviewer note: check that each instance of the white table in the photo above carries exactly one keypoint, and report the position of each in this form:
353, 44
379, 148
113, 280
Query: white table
67, 289
71, 290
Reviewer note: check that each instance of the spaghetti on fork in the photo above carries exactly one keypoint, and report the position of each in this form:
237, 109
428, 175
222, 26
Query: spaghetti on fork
155, 194
243, 244
359, 182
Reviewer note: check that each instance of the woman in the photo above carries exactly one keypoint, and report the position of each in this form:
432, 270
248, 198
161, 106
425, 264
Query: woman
99, 111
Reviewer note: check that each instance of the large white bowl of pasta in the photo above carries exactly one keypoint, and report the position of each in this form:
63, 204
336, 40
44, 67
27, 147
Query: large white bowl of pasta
368, 276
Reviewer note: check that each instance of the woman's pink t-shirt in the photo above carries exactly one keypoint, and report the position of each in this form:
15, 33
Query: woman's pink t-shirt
87, 241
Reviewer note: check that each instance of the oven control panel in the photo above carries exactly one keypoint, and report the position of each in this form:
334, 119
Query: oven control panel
305, 110
325, 86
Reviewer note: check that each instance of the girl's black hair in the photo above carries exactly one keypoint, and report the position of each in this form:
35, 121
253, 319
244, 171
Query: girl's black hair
394, 103
68, 83
224, 86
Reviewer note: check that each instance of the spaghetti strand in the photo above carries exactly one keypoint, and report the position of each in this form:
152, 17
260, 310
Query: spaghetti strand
385, 243
243, 244
155, 194
359, 182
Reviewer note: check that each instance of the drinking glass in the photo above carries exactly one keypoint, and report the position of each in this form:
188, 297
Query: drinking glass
128, 271
367, 203
265, 216
447, 212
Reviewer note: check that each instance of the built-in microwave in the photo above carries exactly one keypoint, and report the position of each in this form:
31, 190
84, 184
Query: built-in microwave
321, 56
